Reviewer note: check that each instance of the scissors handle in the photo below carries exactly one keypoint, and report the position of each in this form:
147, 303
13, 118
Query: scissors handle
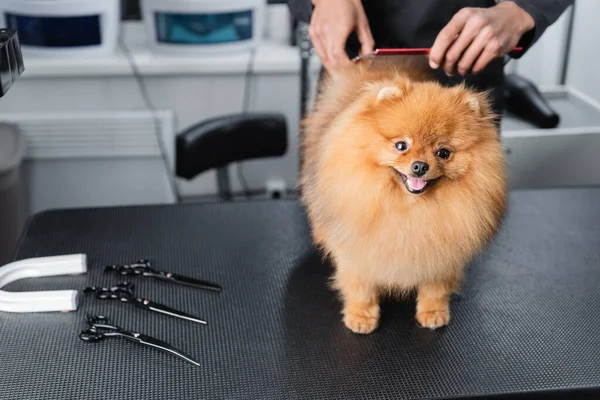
91, 336
101, 328
122, 291
140, 267
100, 322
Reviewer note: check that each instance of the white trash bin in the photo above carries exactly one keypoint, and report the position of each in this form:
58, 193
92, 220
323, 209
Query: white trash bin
13, 199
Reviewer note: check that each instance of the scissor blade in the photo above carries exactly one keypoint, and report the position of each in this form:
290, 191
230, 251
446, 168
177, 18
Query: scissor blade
186, 280
160, 308
159, 344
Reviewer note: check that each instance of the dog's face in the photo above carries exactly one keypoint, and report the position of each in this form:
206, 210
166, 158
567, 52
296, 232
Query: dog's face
425, 134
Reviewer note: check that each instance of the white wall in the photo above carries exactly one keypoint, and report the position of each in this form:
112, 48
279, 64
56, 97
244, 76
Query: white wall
543, 63
584, 62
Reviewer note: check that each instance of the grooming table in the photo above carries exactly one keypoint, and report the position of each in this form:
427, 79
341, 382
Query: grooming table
526, 323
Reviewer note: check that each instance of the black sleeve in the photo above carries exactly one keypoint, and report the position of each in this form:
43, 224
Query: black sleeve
300, 9
544, 13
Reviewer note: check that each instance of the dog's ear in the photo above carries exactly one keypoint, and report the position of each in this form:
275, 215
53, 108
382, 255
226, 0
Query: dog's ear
474, 103
480, 102
468, 98
477, 101
392, 90
388, 92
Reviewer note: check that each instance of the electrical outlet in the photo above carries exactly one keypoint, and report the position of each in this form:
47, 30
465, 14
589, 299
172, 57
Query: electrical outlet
276, 188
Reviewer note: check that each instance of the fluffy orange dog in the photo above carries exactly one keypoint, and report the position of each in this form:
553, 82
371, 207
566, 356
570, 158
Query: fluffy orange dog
404, 182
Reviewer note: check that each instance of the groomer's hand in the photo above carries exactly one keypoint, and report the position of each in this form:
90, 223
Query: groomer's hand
331, 23
476, 36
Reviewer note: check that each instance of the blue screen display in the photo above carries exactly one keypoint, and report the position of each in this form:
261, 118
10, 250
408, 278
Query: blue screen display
45, 31
203, 28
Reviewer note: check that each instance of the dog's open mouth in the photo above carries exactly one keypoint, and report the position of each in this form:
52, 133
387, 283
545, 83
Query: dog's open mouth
413, 184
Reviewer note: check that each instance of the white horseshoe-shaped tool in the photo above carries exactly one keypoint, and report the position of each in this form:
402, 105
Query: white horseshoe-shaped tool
54, 300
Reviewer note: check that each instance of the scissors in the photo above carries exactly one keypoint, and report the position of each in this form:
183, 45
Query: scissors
124, 292
100, 329
143, 268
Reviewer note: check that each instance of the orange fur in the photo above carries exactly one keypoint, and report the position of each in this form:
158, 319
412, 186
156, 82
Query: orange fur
380, 237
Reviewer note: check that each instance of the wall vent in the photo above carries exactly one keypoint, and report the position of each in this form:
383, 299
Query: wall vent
94, 134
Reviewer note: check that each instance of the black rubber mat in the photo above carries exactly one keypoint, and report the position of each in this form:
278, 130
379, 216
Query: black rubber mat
527, 320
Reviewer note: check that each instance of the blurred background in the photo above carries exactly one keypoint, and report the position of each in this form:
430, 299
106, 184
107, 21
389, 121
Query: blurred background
109, 85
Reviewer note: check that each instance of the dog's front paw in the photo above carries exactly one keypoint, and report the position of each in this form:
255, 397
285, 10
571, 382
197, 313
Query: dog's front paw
433, 319
362, 320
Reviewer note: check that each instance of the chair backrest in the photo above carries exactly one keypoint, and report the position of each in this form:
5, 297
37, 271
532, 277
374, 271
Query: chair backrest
218, 142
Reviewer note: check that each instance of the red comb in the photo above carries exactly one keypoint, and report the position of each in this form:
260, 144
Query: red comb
387, 52
413, 51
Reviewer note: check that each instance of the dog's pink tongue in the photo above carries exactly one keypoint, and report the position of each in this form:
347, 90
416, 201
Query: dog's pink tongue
416, 183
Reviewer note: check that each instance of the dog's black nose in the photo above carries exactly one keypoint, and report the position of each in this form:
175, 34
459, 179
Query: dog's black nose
420, 168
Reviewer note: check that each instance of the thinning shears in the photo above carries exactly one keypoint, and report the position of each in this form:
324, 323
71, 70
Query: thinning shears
100, 329
124, 292
144, 268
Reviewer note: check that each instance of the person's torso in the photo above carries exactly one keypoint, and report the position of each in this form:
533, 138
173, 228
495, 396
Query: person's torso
417, 23
413, 23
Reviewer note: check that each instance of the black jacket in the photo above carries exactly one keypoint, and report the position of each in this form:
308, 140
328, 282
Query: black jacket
416, 23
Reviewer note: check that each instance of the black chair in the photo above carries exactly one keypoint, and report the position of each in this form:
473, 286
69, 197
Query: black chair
218, 142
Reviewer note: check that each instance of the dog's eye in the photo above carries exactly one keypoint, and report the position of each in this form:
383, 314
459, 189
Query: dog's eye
401, 146
443, 153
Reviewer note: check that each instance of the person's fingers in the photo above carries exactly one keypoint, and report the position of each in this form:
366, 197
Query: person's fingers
492, 50
333, 39
470, 56
335, 44
331, 24
447, 36
321, 52
315, 34
455, 52
363, 31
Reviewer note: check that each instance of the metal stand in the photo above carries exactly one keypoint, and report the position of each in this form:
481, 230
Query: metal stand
305, 46
306, 50
223, 183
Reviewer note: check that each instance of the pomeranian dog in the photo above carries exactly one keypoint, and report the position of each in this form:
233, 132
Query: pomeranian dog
404, 182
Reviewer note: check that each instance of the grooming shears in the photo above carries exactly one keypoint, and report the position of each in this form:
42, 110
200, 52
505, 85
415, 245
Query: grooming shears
101, 329
143, 268
124, 292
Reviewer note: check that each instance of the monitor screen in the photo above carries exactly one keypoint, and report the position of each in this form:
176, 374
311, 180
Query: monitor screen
53, 31
192, 28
